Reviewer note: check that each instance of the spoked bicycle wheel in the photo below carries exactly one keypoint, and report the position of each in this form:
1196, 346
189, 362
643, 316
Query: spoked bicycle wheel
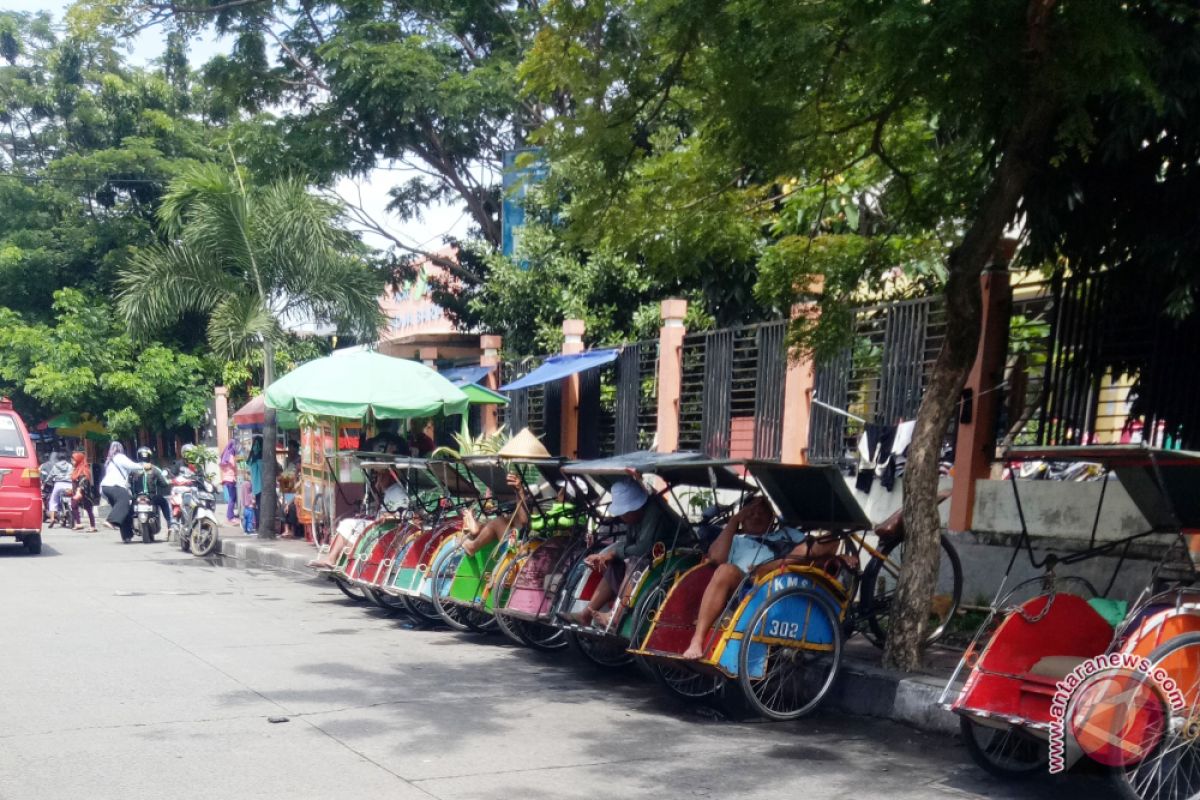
421, 609
539, 636
392, 605
882, 576
602, 651
1171, 769
790, 654
350, 590
458, 617
1004, 751
684, 681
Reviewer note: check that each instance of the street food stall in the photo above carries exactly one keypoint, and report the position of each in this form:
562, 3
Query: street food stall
339, 398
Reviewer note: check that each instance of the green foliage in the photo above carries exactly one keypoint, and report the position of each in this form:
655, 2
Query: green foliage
249, 256
89, 144
86, 361
485, 444
841, 140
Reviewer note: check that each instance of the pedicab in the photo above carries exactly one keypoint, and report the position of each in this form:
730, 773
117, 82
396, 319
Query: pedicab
392, 518
780, 634
1035, 692
515, 578
410, 577
675, 549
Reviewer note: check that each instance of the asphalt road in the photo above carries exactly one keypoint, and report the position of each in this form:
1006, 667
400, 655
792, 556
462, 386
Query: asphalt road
134, 671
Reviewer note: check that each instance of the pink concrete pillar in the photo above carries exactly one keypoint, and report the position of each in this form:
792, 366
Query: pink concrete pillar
573, 330
490, 357
221, 413
670, 372
797, 397
976, 443
429, 356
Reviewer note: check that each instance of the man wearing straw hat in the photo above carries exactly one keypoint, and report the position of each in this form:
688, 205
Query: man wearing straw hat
524, 445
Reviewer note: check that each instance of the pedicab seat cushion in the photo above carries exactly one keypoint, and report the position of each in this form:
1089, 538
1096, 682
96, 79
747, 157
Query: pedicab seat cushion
1113, 611
1056, 667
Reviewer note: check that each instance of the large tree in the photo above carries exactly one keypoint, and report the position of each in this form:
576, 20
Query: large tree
249, 257
936, 115
87, 145
428, 85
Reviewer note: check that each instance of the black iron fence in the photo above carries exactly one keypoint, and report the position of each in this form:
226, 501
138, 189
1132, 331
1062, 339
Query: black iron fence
880, 377
538, 408
731, 394
618, 403
1115, 372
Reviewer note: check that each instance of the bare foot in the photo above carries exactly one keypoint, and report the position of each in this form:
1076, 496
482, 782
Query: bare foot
695, 652
602, 618
583, 618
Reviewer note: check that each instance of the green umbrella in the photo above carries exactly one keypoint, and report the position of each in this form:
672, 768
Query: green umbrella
365, 383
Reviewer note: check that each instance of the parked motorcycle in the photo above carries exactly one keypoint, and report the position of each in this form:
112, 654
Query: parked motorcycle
193, 512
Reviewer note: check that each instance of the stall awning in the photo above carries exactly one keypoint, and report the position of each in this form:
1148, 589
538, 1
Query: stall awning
559, 367
461, 376
483, 396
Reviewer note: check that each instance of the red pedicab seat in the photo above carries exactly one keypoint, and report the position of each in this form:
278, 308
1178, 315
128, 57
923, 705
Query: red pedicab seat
676, 619
1015, 676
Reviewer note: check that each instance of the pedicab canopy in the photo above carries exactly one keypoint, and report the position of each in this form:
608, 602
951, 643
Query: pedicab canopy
366, 384
643, 462
809, 497
1163, 484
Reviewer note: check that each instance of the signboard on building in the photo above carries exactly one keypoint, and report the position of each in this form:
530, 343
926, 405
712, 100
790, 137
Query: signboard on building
523, 168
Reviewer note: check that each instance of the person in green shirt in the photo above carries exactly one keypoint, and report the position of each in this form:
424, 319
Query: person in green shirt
647, 523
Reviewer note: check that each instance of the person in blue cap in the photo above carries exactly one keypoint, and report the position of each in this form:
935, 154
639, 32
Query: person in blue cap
647, 523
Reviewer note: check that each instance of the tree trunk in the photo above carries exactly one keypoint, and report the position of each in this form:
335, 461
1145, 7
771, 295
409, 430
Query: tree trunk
266, 513
1025, 150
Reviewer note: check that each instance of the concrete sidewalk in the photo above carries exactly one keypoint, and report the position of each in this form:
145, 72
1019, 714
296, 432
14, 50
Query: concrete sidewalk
864, 687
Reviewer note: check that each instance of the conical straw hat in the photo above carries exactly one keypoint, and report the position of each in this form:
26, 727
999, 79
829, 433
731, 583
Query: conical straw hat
524, 445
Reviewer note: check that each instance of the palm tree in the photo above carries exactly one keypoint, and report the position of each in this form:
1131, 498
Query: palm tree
250, 257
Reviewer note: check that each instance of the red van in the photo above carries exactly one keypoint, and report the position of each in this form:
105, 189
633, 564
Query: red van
20, 481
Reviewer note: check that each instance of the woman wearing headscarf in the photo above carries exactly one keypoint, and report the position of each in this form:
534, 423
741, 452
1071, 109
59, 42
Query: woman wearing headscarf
115, 487
228, 465
82, 491
254, 465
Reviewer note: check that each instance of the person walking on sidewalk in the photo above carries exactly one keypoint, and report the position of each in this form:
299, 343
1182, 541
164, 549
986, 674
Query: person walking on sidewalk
228, 465
115, 488
254, 464
83, 491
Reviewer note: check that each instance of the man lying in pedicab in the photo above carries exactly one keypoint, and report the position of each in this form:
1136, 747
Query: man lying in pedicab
750, 543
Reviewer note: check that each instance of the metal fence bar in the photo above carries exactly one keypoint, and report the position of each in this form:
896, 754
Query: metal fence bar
629, 390
589, 436
769, 384
718, 386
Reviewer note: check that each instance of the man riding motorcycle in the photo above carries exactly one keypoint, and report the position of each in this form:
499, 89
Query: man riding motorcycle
150, 481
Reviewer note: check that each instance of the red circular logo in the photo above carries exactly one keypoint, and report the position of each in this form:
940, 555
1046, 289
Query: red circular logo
1118, 717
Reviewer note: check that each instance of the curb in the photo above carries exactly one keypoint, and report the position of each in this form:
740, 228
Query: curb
861, 688
866, 690
247, 553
